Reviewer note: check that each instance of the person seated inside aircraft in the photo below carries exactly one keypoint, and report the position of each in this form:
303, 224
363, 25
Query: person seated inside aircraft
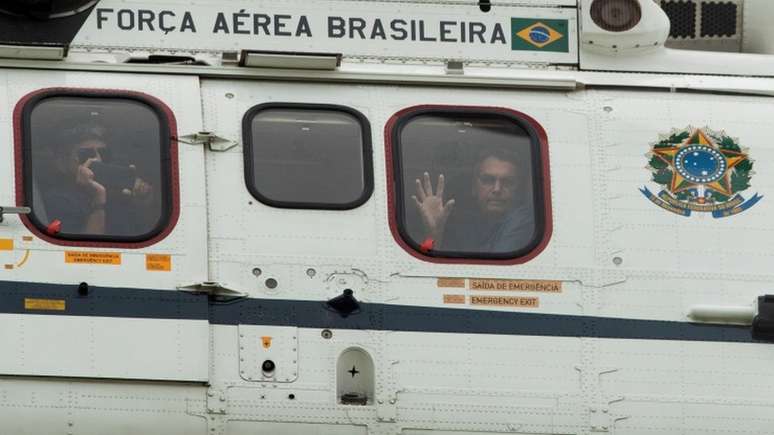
495, 219
88, 192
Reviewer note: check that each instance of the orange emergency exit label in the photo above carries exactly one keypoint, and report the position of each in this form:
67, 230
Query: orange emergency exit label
78, 257
451, 283
6, 244
505, 301
453, 299
44, 304
158, 262
516, 285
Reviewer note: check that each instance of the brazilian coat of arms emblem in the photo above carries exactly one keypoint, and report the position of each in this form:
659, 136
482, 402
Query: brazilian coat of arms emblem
700, 170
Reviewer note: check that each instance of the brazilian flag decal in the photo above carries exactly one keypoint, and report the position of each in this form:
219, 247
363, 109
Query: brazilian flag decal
536, 34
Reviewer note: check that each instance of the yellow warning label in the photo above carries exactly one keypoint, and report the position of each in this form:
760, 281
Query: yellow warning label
453, 299
505, 301
44, 304
76, 257
6, 244
8, 266
266, 342
158, 262
516, 285
451, 282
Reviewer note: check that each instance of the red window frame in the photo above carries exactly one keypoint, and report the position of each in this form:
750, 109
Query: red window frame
392, 178
172, 167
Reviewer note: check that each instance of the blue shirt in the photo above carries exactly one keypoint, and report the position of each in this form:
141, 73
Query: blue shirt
474, 234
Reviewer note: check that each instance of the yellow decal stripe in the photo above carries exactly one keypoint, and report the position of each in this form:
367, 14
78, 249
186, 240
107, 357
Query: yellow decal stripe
44, 304
24, 259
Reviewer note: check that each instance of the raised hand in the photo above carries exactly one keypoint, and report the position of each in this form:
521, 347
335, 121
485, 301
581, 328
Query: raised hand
141, 188
431, 207
84, 176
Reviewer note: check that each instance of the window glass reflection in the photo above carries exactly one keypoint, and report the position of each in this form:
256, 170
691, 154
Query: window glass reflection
308, 157
467, 187
97, 168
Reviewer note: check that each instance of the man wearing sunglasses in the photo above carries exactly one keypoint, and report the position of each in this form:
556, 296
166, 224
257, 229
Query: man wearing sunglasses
497, 222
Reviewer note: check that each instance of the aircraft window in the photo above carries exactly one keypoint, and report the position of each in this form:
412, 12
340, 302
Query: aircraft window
469, 183
308, 156
97, 166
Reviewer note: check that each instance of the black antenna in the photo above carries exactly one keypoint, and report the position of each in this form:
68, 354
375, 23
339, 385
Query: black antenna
485, 5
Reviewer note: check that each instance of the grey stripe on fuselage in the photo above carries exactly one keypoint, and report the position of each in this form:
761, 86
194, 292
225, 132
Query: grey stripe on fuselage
166, 304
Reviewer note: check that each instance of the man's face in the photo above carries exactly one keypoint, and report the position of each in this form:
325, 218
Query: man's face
88, 149
92, 149
494, 186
